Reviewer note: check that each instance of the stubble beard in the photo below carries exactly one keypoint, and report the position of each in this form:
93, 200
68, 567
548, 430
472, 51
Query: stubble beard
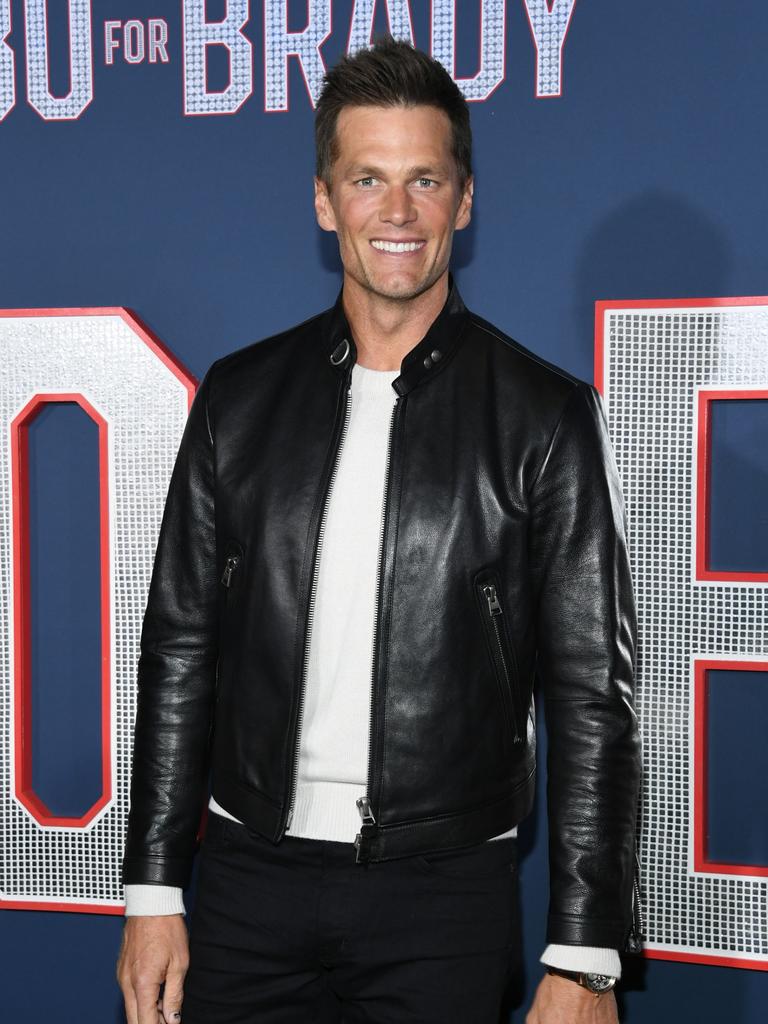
398, 293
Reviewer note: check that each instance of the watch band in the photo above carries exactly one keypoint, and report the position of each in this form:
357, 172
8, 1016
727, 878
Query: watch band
595, 983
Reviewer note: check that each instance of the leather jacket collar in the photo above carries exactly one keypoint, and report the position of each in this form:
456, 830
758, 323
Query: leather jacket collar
424, 359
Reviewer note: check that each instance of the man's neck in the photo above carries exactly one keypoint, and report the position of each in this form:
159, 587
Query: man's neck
385, 330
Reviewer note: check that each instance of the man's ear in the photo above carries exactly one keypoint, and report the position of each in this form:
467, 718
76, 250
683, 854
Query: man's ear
464, 213
323, 208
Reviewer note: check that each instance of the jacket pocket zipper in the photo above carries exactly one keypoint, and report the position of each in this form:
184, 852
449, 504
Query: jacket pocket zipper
229, 569
231, 563
634, 943
503, 657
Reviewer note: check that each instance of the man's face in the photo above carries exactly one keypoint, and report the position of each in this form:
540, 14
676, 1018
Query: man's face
395, 198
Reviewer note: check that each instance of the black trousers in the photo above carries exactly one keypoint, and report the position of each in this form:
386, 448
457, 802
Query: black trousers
298, 933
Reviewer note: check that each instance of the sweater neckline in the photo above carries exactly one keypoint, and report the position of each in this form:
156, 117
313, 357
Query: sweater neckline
367, 381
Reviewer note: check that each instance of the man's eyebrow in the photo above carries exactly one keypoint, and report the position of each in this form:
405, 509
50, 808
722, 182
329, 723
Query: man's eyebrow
365, 171
428, 171
419, 171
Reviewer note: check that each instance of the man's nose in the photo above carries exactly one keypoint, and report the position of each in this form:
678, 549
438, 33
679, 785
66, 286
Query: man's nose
398, 206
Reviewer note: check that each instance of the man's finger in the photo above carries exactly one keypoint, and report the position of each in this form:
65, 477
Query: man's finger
131, 1010
173, 996
146, 1000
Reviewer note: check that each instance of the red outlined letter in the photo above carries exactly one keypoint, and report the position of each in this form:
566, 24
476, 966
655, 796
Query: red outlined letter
491, 71
22, 692
158, 39
361, 25
280, 44
701, 859
198, 34
111, 43
549, 21
48, 106
7, 62
703, 436
658, 364
107, 362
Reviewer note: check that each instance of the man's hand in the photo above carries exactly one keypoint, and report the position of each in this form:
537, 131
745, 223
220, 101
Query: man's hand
560, 1001
154, 950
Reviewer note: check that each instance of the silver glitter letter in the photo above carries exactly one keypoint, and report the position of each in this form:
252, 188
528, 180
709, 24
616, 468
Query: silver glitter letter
490, 74
549, 20
398, 19
71, 106
199, 34
280, 44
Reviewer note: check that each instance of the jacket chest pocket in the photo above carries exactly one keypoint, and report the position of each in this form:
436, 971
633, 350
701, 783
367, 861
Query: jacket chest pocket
501, 651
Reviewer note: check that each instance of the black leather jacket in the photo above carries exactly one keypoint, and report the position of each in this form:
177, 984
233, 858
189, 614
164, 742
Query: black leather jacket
503, 558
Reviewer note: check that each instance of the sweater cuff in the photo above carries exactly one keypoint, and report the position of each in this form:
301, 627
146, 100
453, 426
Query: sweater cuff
585, 959
153, 901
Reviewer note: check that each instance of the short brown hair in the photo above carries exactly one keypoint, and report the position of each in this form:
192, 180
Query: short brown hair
391, 73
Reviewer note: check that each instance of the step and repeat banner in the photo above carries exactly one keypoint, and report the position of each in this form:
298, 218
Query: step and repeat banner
156, 166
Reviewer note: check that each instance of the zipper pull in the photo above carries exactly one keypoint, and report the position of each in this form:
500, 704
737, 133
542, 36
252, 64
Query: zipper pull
634, 943
364, 807
491, 597
368, 820
229, 568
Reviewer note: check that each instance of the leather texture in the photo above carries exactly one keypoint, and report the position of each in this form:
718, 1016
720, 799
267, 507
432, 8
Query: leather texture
503, 559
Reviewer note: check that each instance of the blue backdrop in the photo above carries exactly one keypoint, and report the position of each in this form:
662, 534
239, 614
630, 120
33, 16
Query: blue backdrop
645, 178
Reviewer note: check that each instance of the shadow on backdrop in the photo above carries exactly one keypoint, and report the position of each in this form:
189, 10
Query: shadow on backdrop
657, 245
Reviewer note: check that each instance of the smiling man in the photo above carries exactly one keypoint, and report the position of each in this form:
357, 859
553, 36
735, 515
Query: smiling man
394, 218
381, 526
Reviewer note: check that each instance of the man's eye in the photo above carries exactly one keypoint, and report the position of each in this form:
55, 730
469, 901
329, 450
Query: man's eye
425, 182
365, 182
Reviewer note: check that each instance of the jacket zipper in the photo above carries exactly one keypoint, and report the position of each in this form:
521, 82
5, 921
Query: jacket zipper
495, 613
229, 569
364, 806
313, 596
634, 942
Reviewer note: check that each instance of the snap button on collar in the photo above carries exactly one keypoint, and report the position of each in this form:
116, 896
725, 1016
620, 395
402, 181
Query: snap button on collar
340, 353
437, 355
428, 362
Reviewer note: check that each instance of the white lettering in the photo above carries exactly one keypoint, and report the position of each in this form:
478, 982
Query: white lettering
199, 34
48, 860
490, 74
7, 62
158, 39
361, 28
659, 365
133, 41
280, 44
110, 42
549, 21
48, 106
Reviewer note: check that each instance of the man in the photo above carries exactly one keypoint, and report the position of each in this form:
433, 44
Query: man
381, 523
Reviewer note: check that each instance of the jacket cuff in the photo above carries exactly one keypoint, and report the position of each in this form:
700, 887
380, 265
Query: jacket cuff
174, 871
565, 930
585, 959
153, 901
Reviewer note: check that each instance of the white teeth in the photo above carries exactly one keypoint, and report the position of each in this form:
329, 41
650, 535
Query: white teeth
396, 246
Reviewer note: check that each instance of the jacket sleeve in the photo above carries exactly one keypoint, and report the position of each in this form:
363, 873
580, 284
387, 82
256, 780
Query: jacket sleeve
177, 669
586, 628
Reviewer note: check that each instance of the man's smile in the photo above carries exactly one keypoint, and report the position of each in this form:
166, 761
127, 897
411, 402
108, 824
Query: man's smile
384, 245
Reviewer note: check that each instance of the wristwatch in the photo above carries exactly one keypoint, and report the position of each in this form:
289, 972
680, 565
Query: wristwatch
596, 983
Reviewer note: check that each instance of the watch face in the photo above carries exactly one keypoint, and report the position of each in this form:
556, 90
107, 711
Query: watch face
599, 982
